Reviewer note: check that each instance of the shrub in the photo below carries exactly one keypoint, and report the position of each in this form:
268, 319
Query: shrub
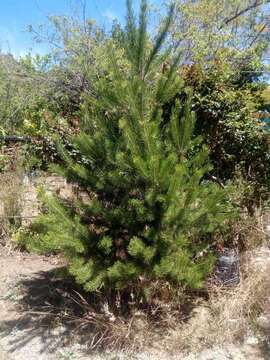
151, 211
238, 143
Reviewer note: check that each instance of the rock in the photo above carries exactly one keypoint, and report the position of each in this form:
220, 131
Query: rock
263, 322
252, 340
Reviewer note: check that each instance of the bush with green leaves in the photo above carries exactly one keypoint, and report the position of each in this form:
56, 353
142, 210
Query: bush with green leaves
150, 210
238, 141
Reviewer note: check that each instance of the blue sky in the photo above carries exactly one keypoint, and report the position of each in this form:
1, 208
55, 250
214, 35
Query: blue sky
16, 15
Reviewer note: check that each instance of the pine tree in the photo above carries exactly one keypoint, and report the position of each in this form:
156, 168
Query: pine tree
151, 210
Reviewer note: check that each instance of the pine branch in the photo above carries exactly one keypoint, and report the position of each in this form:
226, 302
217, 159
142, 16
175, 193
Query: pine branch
131, 31
142, 36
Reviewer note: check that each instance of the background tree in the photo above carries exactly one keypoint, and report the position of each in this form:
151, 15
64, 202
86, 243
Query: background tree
225, 46
234, 32
238, 141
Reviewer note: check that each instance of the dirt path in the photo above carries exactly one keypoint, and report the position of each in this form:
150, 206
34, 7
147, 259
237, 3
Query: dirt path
20, 337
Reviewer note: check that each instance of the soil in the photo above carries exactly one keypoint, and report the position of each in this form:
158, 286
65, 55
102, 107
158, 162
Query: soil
27, 334
20, 339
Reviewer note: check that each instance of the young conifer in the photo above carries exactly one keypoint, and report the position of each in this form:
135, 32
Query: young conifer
150, 211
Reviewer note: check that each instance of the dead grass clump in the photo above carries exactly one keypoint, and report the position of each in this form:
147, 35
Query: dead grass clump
247, 232
250, 232
230, 313
11, 188
10, 193
11, 205
234, 311
104, 330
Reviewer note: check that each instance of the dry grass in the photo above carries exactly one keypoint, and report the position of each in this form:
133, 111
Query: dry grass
230, 314
10, 203
247, 232
10, 193
105, 330
235, 310
141, 329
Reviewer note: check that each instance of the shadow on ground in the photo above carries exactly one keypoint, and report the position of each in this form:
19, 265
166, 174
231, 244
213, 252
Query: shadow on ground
43, 313
264, 345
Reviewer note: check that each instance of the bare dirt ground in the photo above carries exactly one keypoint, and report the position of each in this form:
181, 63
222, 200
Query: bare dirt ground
25, 334
20, 336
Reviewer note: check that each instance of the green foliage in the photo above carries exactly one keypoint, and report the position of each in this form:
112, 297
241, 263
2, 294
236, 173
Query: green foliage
238, 142
24, 105
234, 32
150, 210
